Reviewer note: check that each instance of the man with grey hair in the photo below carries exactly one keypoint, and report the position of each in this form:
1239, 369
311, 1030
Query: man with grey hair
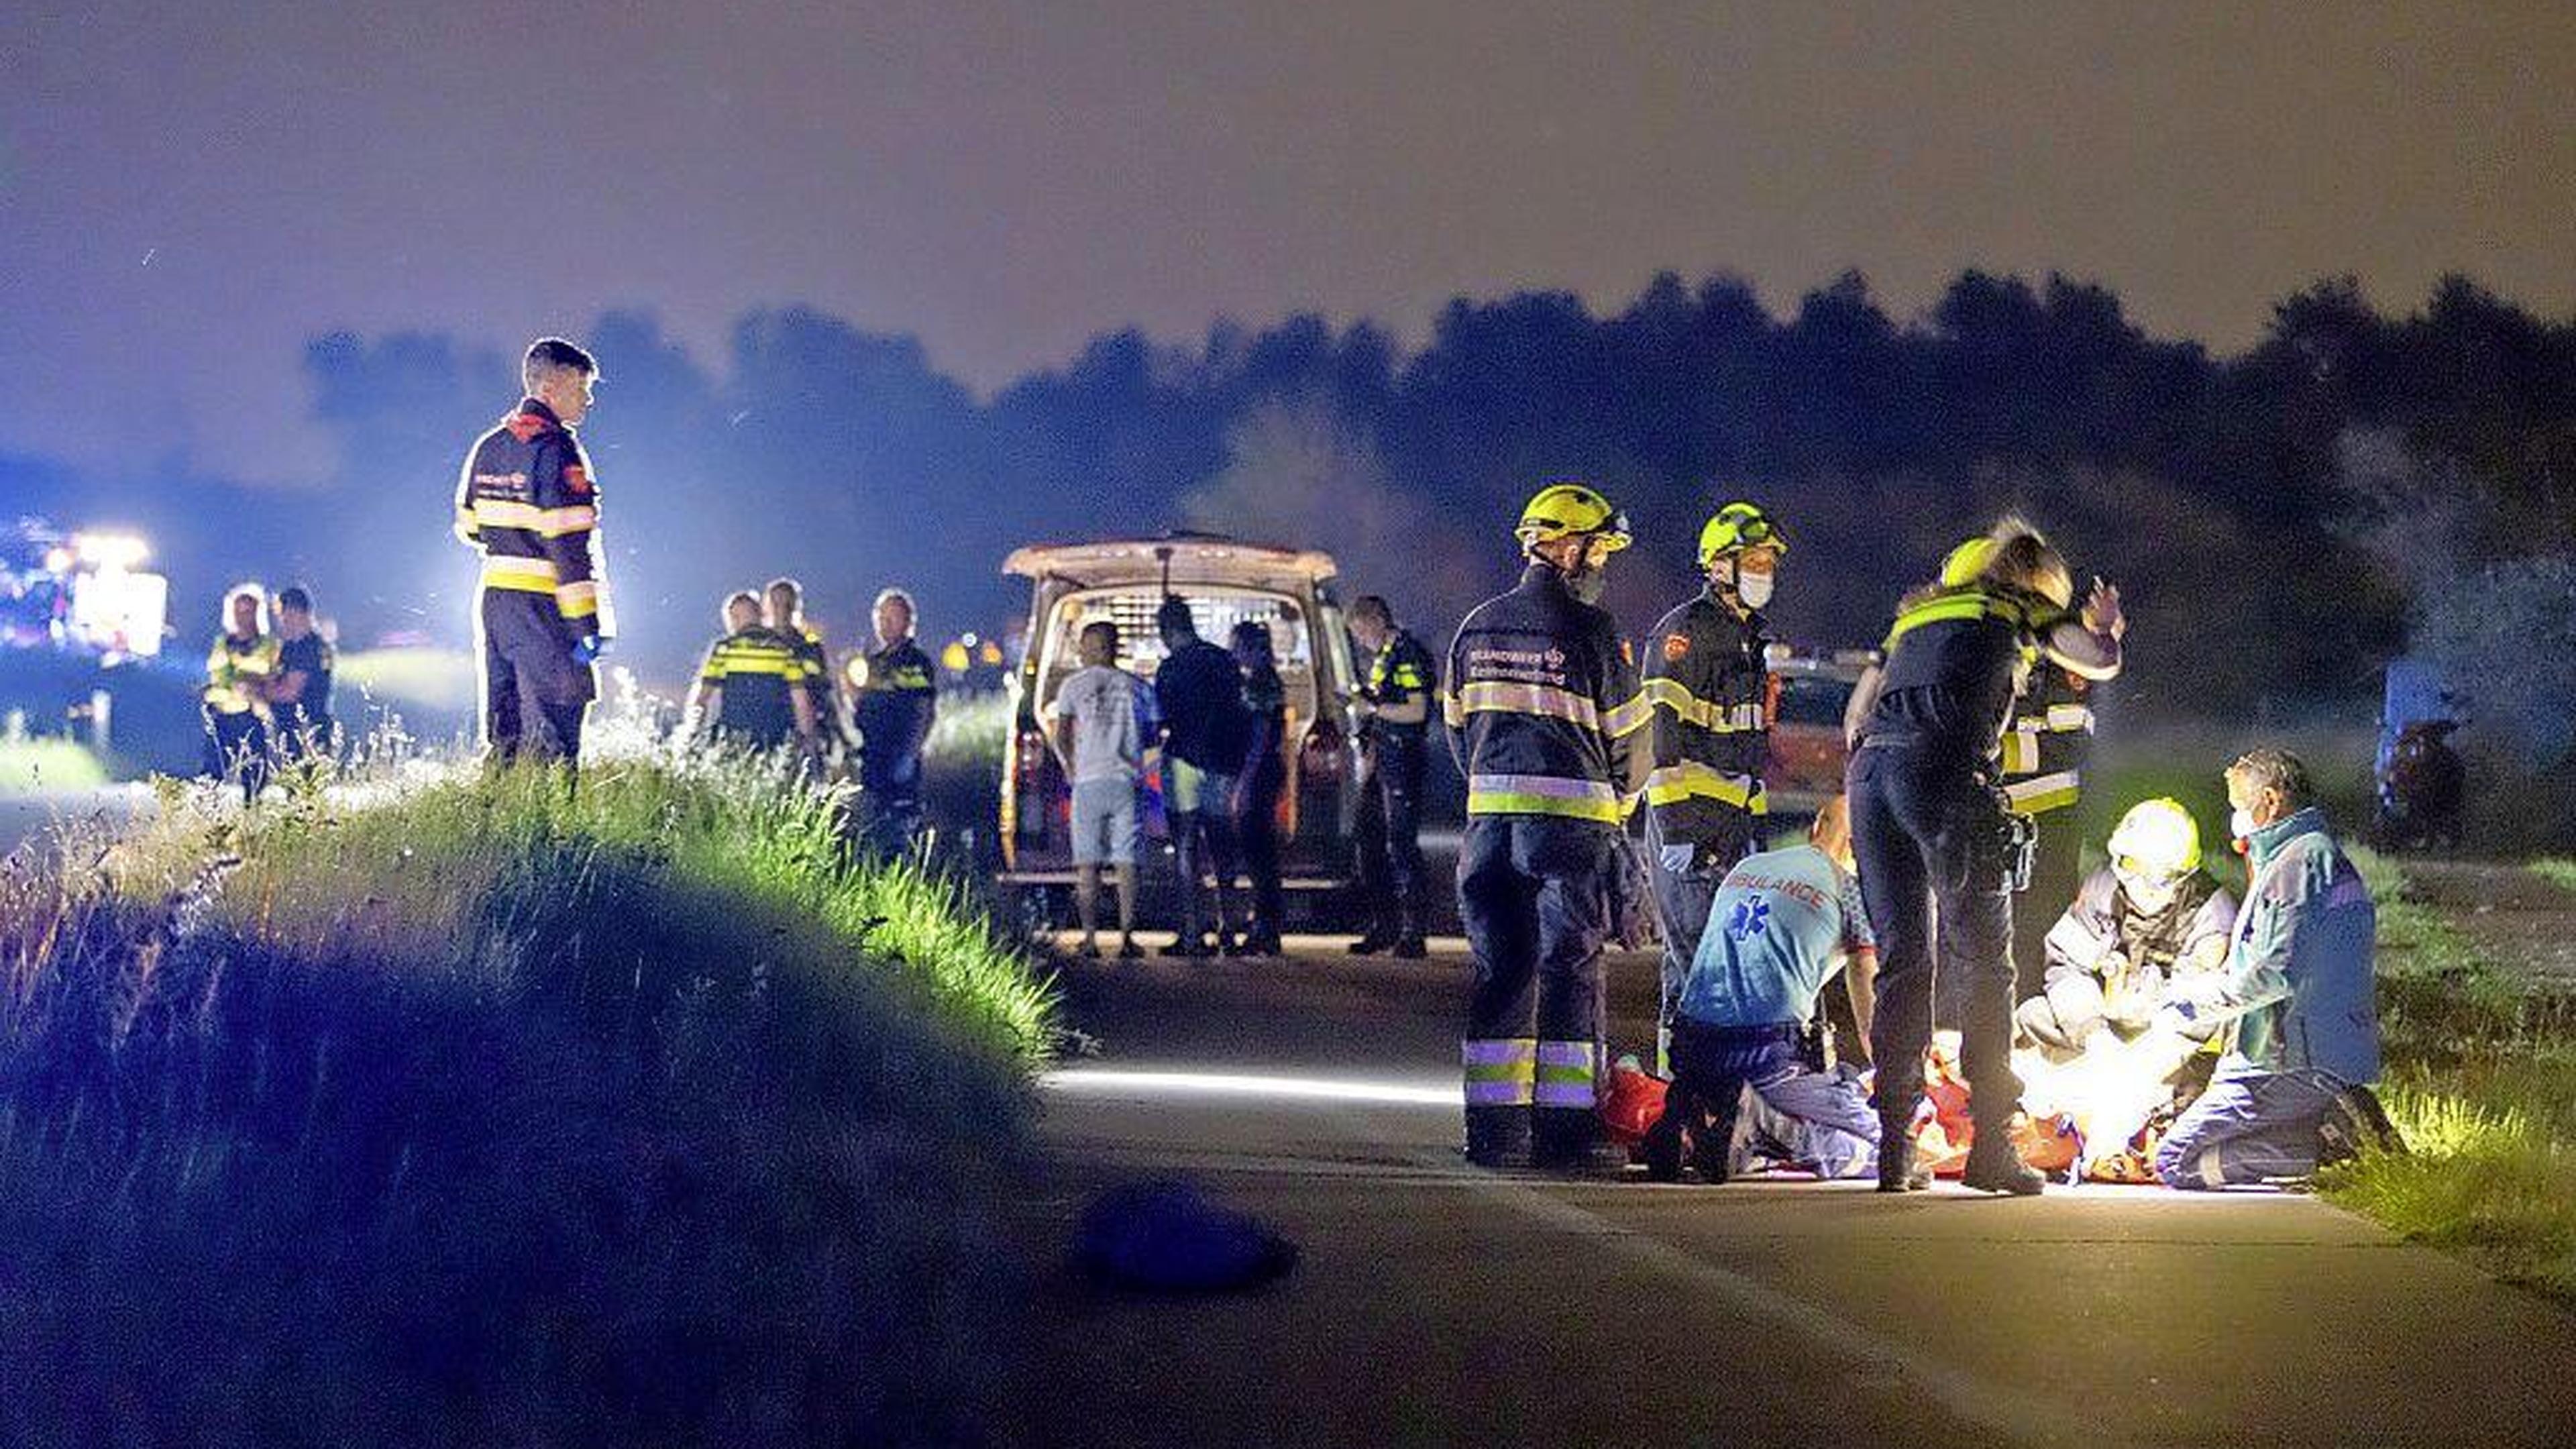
893, 704
2295, 1000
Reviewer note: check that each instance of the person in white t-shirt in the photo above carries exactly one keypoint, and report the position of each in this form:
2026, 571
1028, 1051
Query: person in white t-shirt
1103, 721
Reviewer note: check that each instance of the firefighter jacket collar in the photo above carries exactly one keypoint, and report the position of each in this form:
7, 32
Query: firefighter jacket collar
531, 407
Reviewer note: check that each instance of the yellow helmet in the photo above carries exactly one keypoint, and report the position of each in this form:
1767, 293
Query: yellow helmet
1739, 526
1965, 562
1567, 510
2156, 842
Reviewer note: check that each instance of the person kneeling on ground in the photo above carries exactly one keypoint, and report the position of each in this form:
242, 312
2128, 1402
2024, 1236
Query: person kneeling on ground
1783, 923
1104, 718
2296, 999
2140, 927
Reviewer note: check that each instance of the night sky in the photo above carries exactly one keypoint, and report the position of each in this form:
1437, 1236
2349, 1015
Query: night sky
189, 191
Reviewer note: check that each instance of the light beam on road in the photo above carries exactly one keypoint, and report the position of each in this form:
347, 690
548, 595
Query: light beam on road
1109, 1082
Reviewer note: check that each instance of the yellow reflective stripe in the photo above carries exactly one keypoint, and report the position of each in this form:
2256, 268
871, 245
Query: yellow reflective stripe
1543, 795
745, 661
1691, 780
551, 522
1709, 715
2042, 793
578, 599
1453, 711
507, 571
1629, 717
1545, 700
2021, 751
1946, 607
464, 526
1499, 1073
1568, 1073
2067, 719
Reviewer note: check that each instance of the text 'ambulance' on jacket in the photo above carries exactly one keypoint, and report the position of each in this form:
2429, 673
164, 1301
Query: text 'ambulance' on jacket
528, 501
1709, 684
1545, 704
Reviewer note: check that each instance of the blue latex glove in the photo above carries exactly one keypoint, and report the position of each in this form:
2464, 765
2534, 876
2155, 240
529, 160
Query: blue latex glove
589, 649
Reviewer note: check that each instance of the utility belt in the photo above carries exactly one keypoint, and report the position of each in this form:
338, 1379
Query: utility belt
2004, 847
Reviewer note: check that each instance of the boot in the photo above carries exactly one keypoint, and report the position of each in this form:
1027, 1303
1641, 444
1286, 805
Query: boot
1379, 936
1662, 1149
1993, 1165
1408, 944
2355, 1123
1897, 1169
1498, 1138
1569, 1142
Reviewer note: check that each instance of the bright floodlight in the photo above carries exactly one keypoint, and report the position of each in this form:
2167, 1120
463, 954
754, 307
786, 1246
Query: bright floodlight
111, 550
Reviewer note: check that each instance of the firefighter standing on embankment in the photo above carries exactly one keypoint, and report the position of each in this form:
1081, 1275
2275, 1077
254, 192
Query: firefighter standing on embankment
1543, 702
527, 500
1710, 684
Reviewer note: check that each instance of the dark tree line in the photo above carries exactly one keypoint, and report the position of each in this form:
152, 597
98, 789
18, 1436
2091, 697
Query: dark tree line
2273, 516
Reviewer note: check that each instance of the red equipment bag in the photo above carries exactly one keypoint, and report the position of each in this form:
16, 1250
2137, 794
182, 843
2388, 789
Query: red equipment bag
1633, 1103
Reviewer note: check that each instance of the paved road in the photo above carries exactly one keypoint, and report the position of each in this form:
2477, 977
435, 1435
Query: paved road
1436, 1305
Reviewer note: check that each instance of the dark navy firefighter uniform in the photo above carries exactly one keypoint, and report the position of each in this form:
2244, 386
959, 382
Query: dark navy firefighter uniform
1548, 729
894, 708
528, 502
1388, 832
759, 671
1932, 831
1709, 685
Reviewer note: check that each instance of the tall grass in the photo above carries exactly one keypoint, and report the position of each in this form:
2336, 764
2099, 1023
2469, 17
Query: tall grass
36, 766
2558, 870
501, 1109
2481, 1081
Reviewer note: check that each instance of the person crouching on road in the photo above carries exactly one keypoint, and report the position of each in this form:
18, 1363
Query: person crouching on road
1259, 784
300, 699
1104, 723
2141, 925
1546, 725
529, 503
241, 667
1782, 923
1709, 681
1930, 826
1199, 693
896, 703
1394, 709
750, 693
2296, 999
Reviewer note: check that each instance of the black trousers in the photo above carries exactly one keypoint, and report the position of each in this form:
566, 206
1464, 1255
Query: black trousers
237, 749
1928, 834
1257, 832
1388, 833
535, 693
1533, 891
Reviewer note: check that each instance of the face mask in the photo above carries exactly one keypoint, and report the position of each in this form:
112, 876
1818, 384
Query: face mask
2241, 824
1753, 589
2150, 898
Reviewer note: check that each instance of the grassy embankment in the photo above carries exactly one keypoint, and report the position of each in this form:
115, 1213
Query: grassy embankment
2481, 1079
480, 1111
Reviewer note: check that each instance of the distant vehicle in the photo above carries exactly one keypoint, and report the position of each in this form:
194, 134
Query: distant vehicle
1807, 751
1225, 581
2422, 783
80, 593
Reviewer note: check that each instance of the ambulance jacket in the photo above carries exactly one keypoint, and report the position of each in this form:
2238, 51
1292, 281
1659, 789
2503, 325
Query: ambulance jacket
235, 671
1709, 685
527, 500
1543, 703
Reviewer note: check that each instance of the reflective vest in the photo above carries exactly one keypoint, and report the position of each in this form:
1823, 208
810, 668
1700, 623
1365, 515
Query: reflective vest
1956, 662
1545, 704
756, 669
237, 667
2043, 749
1400, 672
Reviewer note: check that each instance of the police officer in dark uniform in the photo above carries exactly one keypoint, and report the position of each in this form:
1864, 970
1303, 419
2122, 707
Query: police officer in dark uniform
1933, 833
527, 500
1543, 703
1394, 709
241, 669
751, 692
300, 700
1709, 681
897, 700
784, 614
